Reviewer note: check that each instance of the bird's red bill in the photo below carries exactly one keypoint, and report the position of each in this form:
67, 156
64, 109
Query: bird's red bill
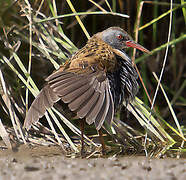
137, 46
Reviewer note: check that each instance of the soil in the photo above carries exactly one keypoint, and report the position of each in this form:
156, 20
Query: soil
48, 163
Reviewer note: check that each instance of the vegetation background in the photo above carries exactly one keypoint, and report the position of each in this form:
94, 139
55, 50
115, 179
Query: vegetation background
148, 24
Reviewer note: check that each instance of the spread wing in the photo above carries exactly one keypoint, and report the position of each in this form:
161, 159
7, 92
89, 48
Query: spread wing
45, 99
87, 93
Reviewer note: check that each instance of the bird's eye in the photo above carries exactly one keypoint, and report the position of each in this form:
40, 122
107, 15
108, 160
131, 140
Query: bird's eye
119, 36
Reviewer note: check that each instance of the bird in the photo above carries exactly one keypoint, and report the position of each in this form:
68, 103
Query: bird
93, 82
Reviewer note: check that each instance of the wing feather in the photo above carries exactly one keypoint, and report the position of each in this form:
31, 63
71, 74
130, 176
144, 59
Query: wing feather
88, 94
91, 116
75, 94
110, 114
88, 106
104, 110
45, 99
74, 105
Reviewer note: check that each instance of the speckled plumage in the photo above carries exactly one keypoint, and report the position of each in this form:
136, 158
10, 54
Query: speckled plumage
93, 82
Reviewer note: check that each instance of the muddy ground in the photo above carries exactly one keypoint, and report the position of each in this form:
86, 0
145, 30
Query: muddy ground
49, 163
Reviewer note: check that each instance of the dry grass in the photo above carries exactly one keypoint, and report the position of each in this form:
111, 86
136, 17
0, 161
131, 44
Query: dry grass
39, 37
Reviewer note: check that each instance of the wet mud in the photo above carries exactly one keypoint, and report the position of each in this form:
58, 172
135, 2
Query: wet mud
47, 163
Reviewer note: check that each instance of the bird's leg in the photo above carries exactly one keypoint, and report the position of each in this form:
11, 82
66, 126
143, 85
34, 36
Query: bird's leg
102, 141
82, 127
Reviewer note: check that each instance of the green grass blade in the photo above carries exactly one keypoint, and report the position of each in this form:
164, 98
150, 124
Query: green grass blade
161, 16
82, 13
171, 109
184, 10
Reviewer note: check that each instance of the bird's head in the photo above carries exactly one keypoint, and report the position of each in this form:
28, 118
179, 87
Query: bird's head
119, 39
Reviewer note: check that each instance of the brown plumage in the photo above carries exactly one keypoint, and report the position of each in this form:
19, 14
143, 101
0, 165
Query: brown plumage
93, 82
